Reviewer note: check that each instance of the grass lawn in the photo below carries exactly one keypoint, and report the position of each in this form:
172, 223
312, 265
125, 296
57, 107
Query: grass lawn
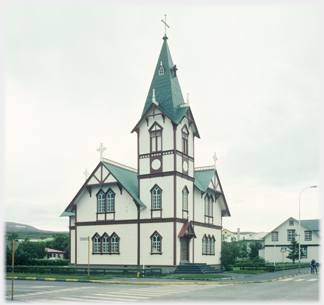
201, 276
56, 276
237, 270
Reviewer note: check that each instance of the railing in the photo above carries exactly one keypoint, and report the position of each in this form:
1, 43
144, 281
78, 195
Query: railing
203, 168
84, 271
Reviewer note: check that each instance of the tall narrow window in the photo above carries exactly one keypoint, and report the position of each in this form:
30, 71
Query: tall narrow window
204, 245
105, 243
101, 202
208, 245
156, 141
96, 244
185, 143
114, 243
156, 242
212, 245
156, 137
290, 235
308, 235
210, 209
110, 201
156, 198
185, 199
206, 206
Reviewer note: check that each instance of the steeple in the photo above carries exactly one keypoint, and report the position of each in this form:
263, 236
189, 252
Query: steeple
166, 87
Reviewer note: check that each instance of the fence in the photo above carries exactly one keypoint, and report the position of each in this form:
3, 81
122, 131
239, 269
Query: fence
273, 268
83, 271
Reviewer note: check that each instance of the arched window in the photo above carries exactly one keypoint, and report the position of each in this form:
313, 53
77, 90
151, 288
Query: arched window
161, 70
206, 205
204, 245
185, 134
212, 245
156, 137
114, 243
105, 243
96, 243
101, 201
210, 210
156, 198
156, 242
185, 199
110, 201
208, 245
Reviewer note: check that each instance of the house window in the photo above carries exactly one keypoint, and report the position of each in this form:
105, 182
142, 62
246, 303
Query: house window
290, 235
303, 251
105, 243
274, 236
210, 210
161, 70
208, 245
101, 202
291, 222
212, 245
96, 244
114, 243
184, 142
156, 198
110, 201
156, 141
185, 199
308, 235
156, 242
204, 245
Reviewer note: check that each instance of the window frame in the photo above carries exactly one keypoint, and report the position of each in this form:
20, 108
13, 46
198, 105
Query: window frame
153, 198
95, 243
99, 201
208, 245
105, 235
106, 198
291, 234
185, 203
114, 243
308, 235
155, 138
273, 234
185, 136
291, 223
156, 234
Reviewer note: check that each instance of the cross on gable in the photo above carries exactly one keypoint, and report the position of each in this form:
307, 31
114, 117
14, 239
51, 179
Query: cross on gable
101, 149
86, 174
215, 159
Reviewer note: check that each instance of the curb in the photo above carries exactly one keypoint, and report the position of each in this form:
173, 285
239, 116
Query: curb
155, 283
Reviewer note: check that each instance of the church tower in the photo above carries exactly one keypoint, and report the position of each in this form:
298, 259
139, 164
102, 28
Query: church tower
166, 132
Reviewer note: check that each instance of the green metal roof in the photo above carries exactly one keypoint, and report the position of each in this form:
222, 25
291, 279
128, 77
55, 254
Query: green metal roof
167, 88
67, 214
312, 224
203, 178
128, 179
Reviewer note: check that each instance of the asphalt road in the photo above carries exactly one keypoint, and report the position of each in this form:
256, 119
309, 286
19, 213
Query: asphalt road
300, 288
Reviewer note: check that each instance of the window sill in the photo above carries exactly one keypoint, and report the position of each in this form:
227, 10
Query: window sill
152, 253
105, 253
209, 254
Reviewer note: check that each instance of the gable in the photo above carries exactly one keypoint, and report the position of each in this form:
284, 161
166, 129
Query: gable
206, 178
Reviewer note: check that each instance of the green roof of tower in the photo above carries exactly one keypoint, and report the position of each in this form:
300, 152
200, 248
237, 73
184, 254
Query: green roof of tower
167, 88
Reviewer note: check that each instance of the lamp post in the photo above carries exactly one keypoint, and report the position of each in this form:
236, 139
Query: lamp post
314, 186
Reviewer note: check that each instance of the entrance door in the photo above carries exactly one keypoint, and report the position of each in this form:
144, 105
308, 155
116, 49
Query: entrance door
184, 250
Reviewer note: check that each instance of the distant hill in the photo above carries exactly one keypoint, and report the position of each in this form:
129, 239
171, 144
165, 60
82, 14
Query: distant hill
14, 227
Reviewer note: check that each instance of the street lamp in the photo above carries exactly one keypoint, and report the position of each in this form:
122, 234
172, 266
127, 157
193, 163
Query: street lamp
314, 186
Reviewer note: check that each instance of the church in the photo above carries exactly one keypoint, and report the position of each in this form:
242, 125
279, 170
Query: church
166, 212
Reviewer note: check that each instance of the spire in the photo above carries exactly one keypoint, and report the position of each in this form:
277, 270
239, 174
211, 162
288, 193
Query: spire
166, 87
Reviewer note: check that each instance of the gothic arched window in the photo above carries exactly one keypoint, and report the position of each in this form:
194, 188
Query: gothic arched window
156, 198
156, 239
110, 201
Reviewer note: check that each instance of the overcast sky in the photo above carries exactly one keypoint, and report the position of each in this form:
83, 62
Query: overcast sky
74, 75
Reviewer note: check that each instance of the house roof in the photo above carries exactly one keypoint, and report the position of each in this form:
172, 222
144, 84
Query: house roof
312, 224
53, 251
128, 179
167, 88
202, 179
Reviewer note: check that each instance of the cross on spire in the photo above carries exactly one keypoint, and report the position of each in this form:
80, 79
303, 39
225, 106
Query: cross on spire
101, 149
215, 159
165, 24
86, 174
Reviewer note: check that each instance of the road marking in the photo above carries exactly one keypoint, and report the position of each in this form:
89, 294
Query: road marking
312, 280
285, 280
120, 293
82, 300
299, 280
110, 298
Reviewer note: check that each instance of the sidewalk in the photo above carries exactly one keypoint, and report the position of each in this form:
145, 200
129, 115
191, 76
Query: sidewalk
235, 278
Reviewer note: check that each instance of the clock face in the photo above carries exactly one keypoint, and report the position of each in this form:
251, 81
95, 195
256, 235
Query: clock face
185, 166
156, 164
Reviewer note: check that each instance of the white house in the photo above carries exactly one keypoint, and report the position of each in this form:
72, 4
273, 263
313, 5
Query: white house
166, 211
281, 237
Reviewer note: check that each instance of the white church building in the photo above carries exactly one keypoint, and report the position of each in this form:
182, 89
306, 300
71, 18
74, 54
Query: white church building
162, 214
